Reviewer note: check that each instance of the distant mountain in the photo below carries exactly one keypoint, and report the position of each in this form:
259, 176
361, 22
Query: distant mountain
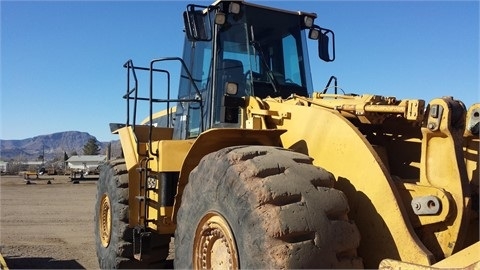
51, 145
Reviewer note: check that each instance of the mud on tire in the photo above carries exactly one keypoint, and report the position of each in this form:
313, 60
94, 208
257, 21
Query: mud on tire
283, 212
116, 251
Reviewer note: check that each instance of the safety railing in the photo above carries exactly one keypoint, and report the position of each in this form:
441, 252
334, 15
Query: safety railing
133, 96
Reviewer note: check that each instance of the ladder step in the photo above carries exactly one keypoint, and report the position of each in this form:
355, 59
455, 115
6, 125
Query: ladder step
141, 243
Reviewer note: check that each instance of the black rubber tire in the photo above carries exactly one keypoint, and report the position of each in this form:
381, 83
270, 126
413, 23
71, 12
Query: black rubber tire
283, 211
113, 182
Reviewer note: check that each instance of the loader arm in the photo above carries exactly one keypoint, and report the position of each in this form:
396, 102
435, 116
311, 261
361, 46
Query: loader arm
387, 167
337, 145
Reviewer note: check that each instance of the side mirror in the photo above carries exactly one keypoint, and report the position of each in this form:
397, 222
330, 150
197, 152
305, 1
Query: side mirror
324, 47
197, 23
326, 50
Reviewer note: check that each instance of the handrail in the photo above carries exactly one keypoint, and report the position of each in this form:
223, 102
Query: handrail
150, 128
131, 72
190, 77
332, 78
131, 68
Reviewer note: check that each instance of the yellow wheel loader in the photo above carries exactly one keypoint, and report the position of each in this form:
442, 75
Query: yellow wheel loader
249, 167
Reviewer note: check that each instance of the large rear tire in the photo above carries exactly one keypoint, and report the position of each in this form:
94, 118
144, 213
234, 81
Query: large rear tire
113, 236
260, 207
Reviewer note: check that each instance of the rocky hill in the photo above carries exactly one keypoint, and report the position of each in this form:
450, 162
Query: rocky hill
51, 145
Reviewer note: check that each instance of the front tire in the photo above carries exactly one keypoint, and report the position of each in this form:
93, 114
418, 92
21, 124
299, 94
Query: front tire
263, 207
113, 236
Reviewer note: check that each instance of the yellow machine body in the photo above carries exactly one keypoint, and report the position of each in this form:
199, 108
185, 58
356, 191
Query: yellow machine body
409, 169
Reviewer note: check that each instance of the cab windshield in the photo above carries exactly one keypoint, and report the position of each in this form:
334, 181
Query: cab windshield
263, 52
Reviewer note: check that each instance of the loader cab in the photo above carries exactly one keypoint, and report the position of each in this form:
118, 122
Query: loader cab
235, 49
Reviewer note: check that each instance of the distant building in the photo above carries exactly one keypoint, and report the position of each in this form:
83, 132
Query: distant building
86, 162
3, 166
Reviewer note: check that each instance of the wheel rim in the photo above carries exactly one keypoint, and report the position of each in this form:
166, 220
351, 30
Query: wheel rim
214, 246
105, 221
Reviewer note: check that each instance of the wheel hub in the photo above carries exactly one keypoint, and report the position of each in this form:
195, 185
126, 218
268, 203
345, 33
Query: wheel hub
214, 245
105, 221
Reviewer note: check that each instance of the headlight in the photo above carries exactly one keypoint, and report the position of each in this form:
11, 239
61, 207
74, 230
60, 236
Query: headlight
220, 18
313, 34
234, 8
308, 21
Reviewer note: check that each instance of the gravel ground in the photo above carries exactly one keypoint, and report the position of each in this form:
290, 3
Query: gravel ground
47, 226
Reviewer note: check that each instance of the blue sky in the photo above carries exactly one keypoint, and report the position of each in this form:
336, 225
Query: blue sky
61, 61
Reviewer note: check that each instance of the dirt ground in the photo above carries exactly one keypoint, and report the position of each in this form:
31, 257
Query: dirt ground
47, 226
